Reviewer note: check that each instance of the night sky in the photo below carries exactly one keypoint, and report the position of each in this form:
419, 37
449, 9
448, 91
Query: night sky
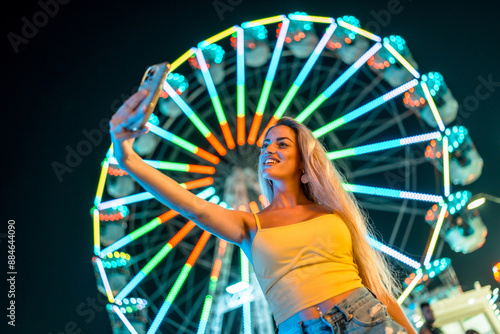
70, 74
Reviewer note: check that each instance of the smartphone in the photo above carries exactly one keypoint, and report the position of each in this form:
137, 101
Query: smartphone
152, 80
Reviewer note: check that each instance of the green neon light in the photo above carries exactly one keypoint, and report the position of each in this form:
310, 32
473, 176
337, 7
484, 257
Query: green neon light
311, 108
341, 154
184, 144
145, 229
174, 166
218, 109
199, 124
286, 100
264, 96
240, 97
156, 259
178, 283
329, 127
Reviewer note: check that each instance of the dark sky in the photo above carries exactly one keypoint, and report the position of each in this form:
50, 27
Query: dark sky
67, 76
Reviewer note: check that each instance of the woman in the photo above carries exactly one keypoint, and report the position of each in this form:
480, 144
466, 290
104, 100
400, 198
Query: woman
309, 247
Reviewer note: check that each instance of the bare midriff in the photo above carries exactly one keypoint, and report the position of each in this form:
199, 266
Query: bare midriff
313, 312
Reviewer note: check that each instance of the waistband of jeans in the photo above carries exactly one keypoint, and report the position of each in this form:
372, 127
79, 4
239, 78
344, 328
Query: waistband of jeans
347, 306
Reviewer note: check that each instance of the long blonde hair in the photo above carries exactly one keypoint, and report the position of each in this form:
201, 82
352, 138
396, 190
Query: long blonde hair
325, 188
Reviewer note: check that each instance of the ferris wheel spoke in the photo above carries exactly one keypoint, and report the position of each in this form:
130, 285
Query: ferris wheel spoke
178, 283
155, 260
360, 31
150, 226
271, 73
193, 117
385, 145
386, 192
364, 109
299, 80
146, 195
337, 83
214, 96
214, 277
174, 166
381, 125
182, 143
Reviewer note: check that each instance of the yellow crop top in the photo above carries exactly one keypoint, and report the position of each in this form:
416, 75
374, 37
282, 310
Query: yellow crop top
303, 264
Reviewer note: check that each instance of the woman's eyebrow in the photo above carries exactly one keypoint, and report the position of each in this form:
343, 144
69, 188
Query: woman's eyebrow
280, 138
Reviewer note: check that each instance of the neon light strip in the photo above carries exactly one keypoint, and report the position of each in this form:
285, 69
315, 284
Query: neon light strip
97, 231
150, 226
402, 60
124, 319
188, 54
240, 86
146, 195
261, 22
337, 83
446, 167
125, 200
303, 73
410, 287
212, 91
102, 181
182, 143
214, 277
174, 166
193, 117
385, 192
298, 81
178, 283
217, 37
156, 259
359, 31
435, 234
385, 145
245, 277
310, 18
432, 105
271, 72
395, 254
364, 109
104, 278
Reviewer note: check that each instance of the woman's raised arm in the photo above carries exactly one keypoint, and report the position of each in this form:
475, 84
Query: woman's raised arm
226, 224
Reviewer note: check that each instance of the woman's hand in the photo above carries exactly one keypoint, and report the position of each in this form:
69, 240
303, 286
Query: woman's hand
128, 116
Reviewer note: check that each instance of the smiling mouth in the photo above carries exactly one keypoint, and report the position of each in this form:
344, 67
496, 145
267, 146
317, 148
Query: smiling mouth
270, 161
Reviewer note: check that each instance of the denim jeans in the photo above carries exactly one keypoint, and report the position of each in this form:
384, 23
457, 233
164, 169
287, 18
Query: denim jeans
360, 312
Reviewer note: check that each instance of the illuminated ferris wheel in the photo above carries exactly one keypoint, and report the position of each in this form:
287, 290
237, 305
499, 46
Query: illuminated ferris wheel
382, 122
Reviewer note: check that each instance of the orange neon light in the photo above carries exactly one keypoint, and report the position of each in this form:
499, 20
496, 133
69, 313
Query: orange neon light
207, 156
198, 248
227, 135
271, 123
252, 136
240, 125
216, 144
201, 169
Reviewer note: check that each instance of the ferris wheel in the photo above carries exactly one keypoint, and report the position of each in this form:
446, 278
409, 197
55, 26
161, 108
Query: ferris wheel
382, 122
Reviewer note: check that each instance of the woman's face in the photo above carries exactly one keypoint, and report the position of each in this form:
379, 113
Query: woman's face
280, 157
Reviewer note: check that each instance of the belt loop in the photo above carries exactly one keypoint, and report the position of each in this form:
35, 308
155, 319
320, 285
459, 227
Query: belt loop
301, 326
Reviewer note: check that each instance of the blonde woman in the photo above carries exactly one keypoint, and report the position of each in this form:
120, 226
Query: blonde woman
309, 247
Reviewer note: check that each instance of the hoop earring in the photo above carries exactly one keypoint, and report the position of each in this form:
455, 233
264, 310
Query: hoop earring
304, 178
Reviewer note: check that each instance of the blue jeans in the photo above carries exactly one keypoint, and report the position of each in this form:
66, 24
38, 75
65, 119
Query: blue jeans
360, 312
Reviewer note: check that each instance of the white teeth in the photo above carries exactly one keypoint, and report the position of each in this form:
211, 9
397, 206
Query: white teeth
271, 161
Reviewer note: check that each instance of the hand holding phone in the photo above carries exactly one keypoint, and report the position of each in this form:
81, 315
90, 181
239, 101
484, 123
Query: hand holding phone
152, 81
